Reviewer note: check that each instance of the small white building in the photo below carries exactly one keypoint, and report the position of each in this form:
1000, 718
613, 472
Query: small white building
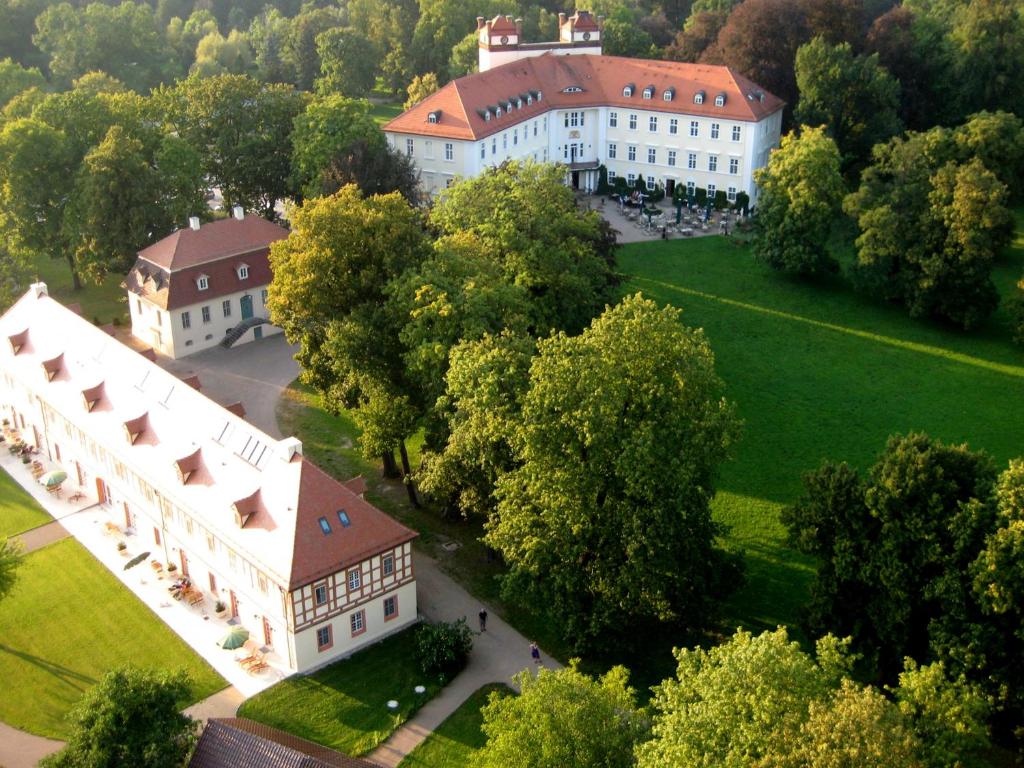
204, 285
670, 123
313, 570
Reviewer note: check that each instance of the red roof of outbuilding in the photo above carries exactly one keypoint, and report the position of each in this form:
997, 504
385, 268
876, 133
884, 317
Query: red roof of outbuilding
228, 237
601, 80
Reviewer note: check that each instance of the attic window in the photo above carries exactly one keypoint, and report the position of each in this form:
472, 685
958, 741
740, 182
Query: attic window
529, 100
648, 91
508, 106
243, 271
434, 117
134, 428
720, 100
53, 366
245, 508
487, 116
539, 94
519, 103
497, 112
669, 94
573, 89
187, 465
627, 91
92, 396
203, 282
18, 340
698, 97
343, 518
324, 526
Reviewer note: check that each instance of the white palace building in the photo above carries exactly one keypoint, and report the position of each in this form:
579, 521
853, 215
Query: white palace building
668, 122
309, 567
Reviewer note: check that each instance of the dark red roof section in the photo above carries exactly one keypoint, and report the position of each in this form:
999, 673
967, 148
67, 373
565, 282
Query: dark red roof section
228, 237
318, 554
181, 288
236, 742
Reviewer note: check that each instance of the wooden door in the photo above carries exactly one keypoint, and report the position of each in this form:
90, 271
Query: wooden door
213, 582
156, 535
101, 491
128, 517
184, 563
268, 633
234, 603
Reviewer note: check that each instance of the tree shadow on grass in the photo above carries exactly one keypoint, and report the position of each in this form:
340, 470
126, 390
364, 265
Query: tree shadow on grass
70, 677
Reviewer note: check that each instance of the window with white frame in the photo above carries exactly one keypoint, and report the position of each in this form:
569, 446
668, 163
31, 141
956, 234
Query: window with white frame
388, 564
206, 314
671, 157
504, 140
673, 126
631, 152
720, 100
186, 320
632, 122
698, 97
243, 272
354, 579
323, 638
535, 127
712, 162
611, 176
497, 112
204, 282
320, 594
668, 94
494, 145
263, 296
483, 149
432, 117
691, 188
428, 150
408, 147
627, 91
714, 130
358, 622
694, 128
613, 150
390, 607
613, 119
652, 155
648, 92
515, 137
735, 133
712, 191
730, 194
226, 307
650, 183
691, 161
630, 179
734, 165
449, 151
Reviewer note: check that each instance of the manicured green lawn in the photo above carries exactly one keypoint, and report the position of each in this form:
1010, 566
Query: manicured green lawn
818, 372
344, 706
458, 738
99, 302
18, 511
67, 621
384, 113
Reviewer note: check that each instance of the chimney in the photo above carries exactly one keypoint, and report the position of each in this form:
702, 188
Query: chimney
193, 222
479, 23
238, 212
508, 17
288, 448
39, 290
561, 19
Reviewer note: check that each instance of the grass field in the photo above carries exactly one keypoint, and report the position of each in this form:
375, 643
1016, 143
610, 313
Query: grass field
344, 706
818, 372
68, 621
18, 511
384, 113
456, 740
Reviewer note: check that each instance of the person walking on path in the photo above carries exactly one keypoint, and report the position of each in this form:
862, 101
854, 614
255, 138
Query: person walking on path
535, 653
483, 619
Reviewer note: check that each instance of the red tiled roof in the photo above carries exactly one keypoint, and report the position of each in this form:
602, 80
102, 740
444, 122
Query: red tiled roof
583, 21
503, 24
228, 237
318, 554
181, 288
601, 78
237, 742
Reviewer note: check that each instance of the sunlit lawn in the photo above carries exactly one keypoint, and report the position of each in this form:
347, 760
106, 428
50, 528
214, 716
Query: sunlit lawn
458, 738
100, 303
344, 706
68, 621
384, 113
18, 511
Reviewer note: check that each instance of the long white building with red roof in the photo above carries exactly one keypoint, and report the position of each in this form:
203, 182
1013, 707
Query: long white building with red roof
306, 564
670, 123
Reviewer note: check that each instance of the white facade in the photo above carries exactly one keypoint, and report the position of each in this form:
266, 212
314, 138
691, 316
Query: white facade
293, 554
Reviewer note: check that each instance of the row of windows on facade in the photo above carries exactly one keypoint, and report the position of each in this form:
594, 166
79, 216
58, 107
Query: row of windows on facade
691, 158
499, 110
449, 147
673, 126
691, 187
354, 580
242, 270
225, 306
670, 93
357, 623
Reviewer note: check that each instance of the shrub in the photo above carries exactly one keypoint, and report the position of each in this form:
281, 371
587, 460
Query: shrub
117, 321
603, 188
721, 200
742, 202
620, 185
700, 196
1016, 308
657, 193
442, 649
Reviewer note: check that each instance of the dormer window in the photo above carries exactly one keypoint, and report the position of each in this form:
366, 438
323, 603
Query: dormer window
627, 91
573, 89
539, 94
519, 103
698, 97
203, 282
529, 100
432, 117
669, 94
243, 271
508, 107
487, 116
497, 112
720, 100
648, 92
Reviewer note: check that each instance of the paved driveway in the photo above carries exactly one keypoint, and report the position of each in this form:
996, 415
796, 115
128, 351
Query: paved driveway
253, 373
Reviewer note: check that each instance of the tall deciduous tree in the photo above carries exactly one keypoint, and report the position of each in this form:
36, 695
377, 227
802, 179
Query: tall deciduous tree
988, 43
15, 78
329, 294
852, 96
348, 62
300, 48
130, 717
327, 128
242, 129
421, 87
10, 559
607, 516
563, 719
801, 193
219, 55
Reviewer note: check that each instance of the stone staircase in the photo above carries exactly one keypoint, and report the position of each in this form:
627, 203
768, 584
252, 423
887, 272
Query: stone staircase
239, 330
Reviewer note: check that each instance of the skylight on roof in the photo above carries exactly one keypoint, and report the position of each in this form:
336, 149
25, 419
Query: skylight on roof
343, 518
325, 526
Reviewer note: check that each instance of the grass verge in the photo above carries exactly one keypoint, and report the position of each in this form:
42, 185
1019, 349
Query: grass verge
19, 512
344, 706
66, 623
458, 738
